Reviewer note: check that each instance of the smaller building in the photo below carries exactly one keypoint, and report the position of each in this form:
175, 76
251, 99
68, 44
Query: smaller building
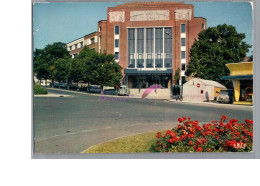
241, 75
90, 40
201, 90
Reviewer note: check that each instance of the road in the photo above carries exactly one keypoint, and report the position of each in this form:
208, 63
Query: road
74, 123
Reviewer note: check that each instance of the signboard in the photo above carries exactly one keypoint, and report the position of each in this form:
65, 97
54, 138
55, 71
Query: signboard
198, 85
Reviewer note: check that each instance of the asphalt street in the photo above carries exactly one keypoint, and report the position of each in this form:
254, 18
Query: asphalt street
71, 124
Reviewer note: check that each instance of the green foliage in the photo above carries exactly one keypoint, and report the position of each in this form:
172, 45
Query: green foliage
61, 69
215, 47
177, 76
53, 62
100, 69
37, 89
44, 59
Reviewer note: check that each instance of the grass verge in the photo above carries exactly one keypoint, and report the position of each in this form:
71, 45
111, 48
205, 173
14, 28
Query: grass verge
131, 144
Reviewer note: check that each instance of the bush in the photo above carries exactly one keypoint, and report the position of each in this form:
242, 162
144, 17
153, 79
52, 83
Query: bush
37, 89
216, 136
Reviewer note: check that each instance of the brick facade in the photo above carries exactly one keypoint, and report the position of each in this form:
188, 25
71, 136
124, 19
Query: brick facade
148, 15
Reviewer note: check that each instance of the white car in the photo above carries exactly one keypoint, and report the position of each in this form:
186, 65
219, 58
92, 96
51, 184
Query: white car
123, 91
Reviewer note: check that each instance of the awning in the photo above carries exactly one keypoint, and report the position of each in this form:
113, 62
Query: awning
242, 77
148, 72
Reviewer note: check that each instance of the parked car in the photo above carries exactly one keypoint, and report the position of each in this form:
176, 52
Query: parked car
94, 89
123, 91
64, 85
225, 96
56, 85
73, 87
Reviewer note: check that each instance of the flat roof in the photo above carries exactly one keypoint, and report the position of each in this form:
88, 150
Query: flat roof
81, 37
242, 77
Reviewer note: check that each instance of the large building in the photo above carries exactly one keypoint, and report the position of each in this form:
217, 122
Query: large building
150, 40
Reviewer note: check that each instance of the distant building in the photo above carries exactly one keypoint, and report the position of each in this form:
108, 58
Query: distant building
150, 40
75, 46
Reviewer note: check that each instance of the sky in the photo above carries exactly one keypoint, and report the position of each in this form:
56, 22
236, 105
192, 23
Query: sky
65, 22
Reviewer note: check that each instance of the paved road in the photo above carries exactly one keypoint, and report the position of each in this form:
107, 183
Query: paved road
74, 123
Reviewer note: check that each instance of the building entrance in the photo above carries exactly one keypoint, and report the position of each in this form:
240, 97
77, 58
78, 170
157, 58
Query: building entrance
145, 81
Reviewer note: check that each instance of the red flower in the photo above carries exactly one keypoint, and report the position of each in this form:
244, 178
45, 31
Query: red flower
199, 149
190, 143
158, 135
224, 117
180, 120
190, 136
170, 140
233, 121
208, 149
172, 134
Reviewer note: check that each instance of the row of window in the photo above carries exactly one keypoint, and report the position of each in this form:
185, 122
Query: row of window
149, 47
117, 42
76, 46
92, 41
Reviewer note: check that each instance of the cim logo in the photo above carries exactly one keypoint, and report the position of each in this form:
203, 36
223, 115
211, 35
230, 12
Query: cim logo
150, 90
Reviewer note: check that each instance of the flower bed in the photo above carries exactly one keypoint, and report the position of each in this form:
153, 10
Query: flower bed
217, 136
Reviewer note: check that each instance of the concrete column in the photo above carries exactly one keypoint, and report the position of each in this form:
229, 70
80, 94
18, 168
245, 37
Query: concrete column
236, 85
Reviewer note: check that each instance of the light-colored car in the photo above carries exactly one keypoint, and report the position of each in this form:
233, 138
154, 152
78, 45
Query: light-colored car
123, 91
225, 96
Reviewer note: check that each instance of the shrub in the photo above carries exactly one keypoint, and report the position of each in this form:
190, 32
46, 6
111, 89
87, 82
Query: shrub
37, 89
217, 136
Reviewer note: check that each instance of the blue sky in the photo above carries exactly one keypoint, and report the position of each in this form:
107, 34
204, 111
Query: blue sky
64, 22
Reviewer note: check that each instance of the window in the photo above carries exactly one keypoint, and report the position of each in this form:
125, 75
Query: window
182, 66
183, 42
70, 47
116, 30
140, 47
99, 30
158, 47
116, 43
183, 54
149, 48
203, 26
183, 29
76, 46
92, 40
117, 55
81, 44
168, 47
131, 48
99, 44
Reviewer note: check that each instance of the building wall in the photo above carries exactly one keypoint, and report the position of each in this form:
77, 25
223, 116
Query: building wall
121, 16
145, 15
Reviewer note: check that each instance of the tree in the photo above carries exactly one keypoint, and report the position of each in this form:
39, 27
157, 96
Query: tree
177, 76
105, 71
61, 69
215, 47
99, 69
44, 59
